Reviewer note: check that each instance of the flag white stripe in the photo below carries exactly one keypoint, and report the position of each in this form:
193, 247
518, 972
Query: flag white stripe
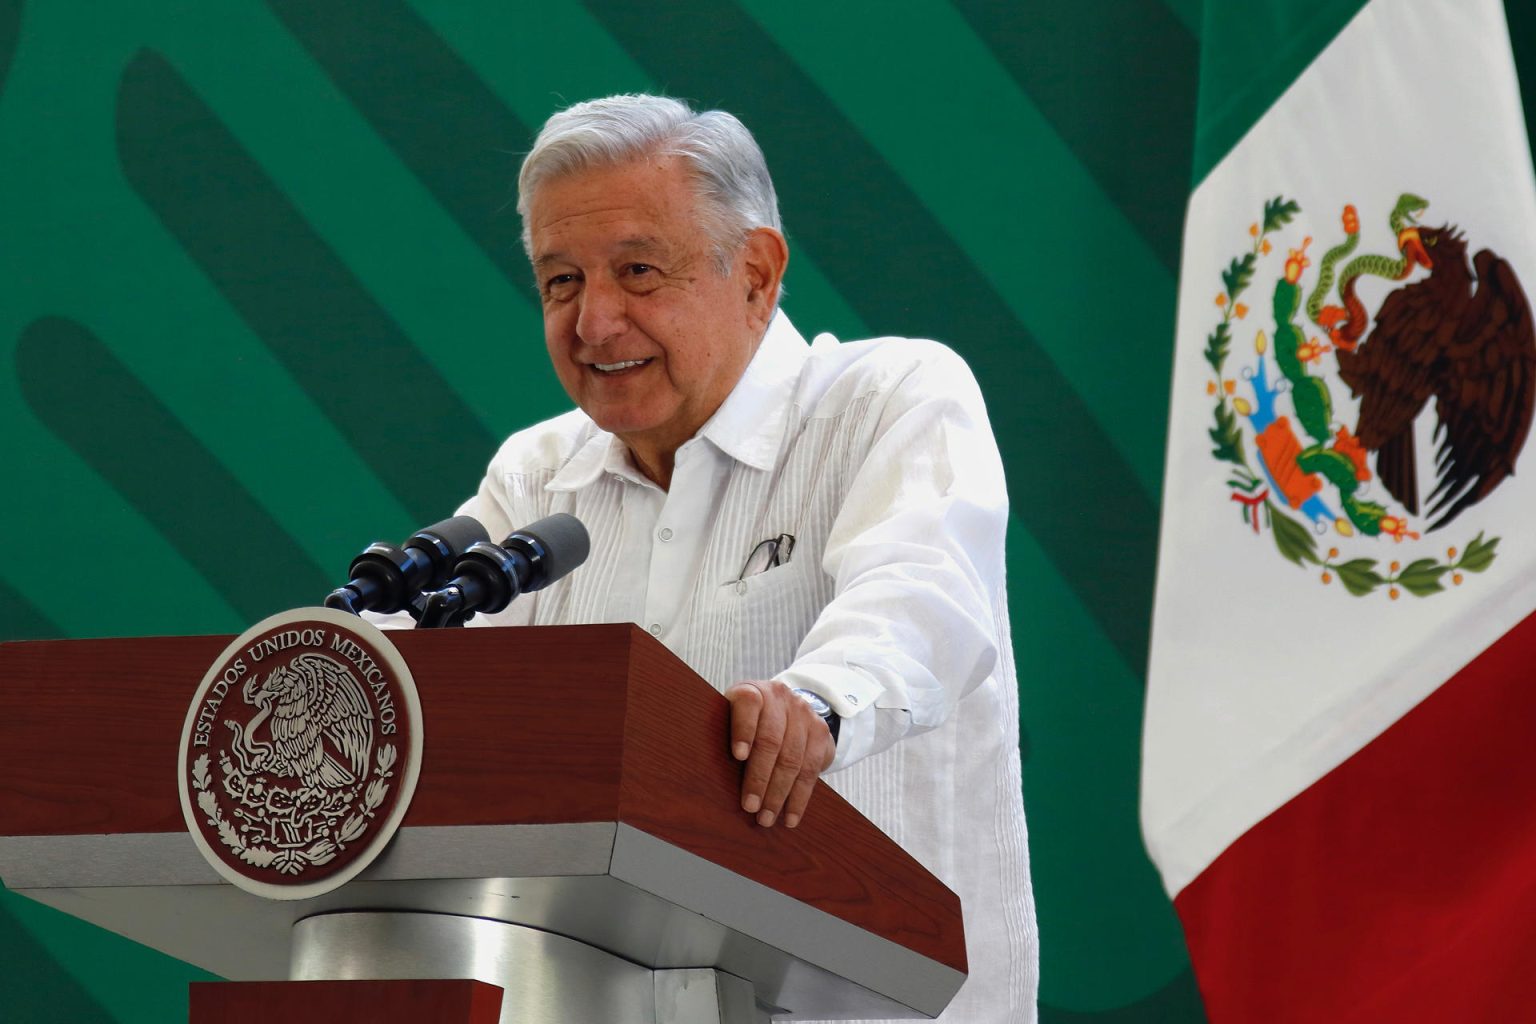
1262, 678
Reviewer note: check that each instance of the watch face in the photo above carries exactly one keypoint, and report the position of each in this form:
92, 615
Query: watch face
818, 705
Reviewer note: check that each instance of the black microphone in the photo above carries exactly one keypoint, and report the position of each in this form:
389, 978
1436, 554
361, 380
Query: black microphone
489, 576
386, 578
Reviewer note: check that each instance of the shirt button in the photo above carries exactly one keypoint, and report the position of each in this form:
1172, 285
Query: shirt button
664, 533
741, 586
655, 629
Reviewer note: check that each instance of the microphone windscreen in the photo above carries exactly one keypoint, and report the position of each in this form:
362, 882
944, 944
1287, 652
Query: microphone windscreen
565, 543
458, 533
443, 544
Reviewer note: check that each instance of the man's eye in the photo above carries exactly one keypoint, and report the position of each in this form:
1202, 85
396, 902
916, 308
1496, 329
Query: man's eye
559, 284
636, 269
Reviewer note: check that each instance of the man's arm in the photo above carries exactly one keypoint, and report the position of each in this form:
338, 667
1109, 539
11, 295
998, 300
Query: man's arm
916, 553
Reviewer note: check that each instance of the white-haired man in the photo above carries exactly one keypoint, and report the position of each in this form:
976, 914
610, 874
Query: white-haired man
816, 529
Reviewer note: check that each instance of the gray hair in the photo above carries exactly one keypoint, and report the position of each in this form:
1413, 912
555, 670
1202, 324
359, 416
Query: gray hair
730, 175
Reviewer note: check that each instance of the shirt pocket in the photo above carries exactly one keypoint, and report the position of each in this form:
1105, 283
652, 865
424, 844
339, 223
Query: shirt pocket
762, 586
765, 616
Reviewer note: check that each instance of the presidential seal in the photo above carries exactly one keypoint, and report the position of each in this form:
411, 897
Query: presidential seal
1318, 428
300, 753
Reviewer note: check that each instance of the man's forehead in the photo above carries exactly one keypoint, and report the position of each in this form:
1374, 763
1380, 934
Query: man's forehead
630, 245
650, 203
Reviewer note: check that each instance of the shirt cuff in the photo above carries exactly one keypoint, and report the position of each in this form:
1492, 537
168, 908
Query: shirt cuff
863, 728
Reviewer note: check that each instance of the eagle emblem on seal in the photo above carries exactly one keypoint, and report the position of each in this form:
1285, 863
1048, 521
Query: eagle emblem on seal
318, 723
1321, 431
300, 752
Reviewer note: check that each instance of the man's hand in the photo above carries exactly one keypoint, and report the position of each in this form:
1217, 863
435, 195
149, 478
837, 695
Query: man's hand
786, 746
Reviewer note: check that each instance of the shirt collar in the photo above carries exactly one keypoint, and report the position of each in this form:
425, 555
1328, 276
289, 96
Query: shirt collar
600, 451
748, 426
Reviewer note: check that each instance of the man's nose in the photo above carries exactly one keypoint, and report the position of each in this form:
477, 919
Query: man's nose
602, 317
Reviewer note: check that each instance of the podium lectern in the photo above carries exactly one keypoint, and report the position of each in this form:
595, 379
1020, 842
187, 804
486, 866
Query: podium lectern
575, 839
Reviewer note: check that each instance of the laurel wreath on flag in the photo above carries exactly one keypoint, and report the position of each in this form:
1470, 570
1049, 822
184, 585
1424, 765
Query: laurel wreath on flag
1248, 489
321, 851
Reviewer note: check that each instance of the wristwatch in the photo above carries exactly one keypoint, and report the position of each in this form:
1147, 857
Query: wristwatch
823, 710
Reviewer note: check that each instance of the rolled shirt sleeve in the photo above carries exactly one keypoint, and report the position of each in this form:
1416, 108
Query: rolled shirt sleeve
916, 553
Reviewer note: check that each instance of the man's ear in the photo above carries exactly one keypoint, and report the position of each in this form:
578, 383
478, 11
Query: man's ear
764, 256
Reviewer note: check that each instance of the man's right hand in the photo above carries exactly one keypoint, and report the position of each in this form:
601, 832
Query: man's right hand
786, 746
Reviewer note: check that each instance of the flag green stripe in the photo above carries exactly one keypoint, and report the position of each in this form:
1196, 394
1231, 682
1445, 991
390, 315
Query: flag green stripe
94, 404
1521, 18
1178, 1001
864, 227
286, 282
1044, 46
1249, 55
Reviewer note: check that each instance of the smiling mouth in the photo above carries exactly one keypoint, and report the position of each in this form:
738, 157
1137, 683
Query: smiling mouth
619, 367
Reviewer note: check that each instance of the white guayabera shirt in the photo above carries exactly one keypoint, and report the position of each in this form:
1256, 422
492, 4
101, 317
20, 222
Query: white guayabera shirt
878, 459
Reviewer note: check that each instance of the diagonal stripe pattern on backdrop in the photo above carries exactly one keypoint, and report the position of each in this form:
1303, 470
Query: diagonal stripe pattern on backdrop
441, 120
10, 34
345, 352
93, 403
1139, 158
864, 226
21, 620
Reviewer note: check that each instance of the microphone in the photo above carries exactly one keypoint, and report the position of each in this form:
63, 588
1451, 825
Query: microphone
489, 576
386, 578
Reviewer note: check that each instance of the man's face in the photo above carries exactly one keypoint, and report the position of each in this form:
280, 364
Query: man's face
644, 332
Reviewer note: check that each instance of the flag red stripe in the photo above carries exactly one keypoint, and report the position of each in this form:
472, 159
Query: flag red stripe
1401, 886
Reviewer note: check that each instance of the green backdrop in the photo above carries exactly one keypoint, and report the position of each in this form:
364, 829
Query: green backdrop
262, 302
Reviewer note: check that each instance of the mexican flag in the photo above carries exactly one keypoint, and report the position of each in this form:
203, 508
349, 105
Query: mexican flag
1339, 768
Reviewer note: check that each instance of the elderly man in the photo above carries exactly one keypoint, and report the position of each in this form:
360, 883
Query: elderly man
816, 529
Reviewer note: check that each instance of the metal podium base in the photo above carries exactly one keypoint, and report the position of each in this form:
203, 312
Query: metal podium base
546, 978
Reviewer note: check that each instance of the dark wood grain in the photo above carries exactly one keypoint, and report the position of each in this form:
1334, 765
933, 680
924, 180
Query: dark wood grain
432, 1001
89, 731
681, 785
522, 726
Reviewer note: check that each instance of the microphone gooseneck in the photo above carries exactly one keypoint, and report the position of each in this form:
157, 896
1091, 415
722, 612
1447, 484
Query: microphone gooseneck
386, 578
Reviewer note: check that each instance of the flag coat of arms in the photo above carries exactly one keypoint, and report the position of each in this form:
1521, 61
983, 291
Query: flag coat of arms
1337, 785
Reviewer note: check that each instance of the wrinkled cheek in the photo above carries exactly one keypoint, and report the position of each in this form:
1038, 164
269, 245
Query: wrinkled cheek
558, 344
568, 373
557, 333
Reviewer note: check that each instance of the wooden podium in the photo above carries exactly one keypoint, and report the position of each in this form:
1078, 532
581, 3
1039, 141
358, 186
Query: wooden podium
575, 838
